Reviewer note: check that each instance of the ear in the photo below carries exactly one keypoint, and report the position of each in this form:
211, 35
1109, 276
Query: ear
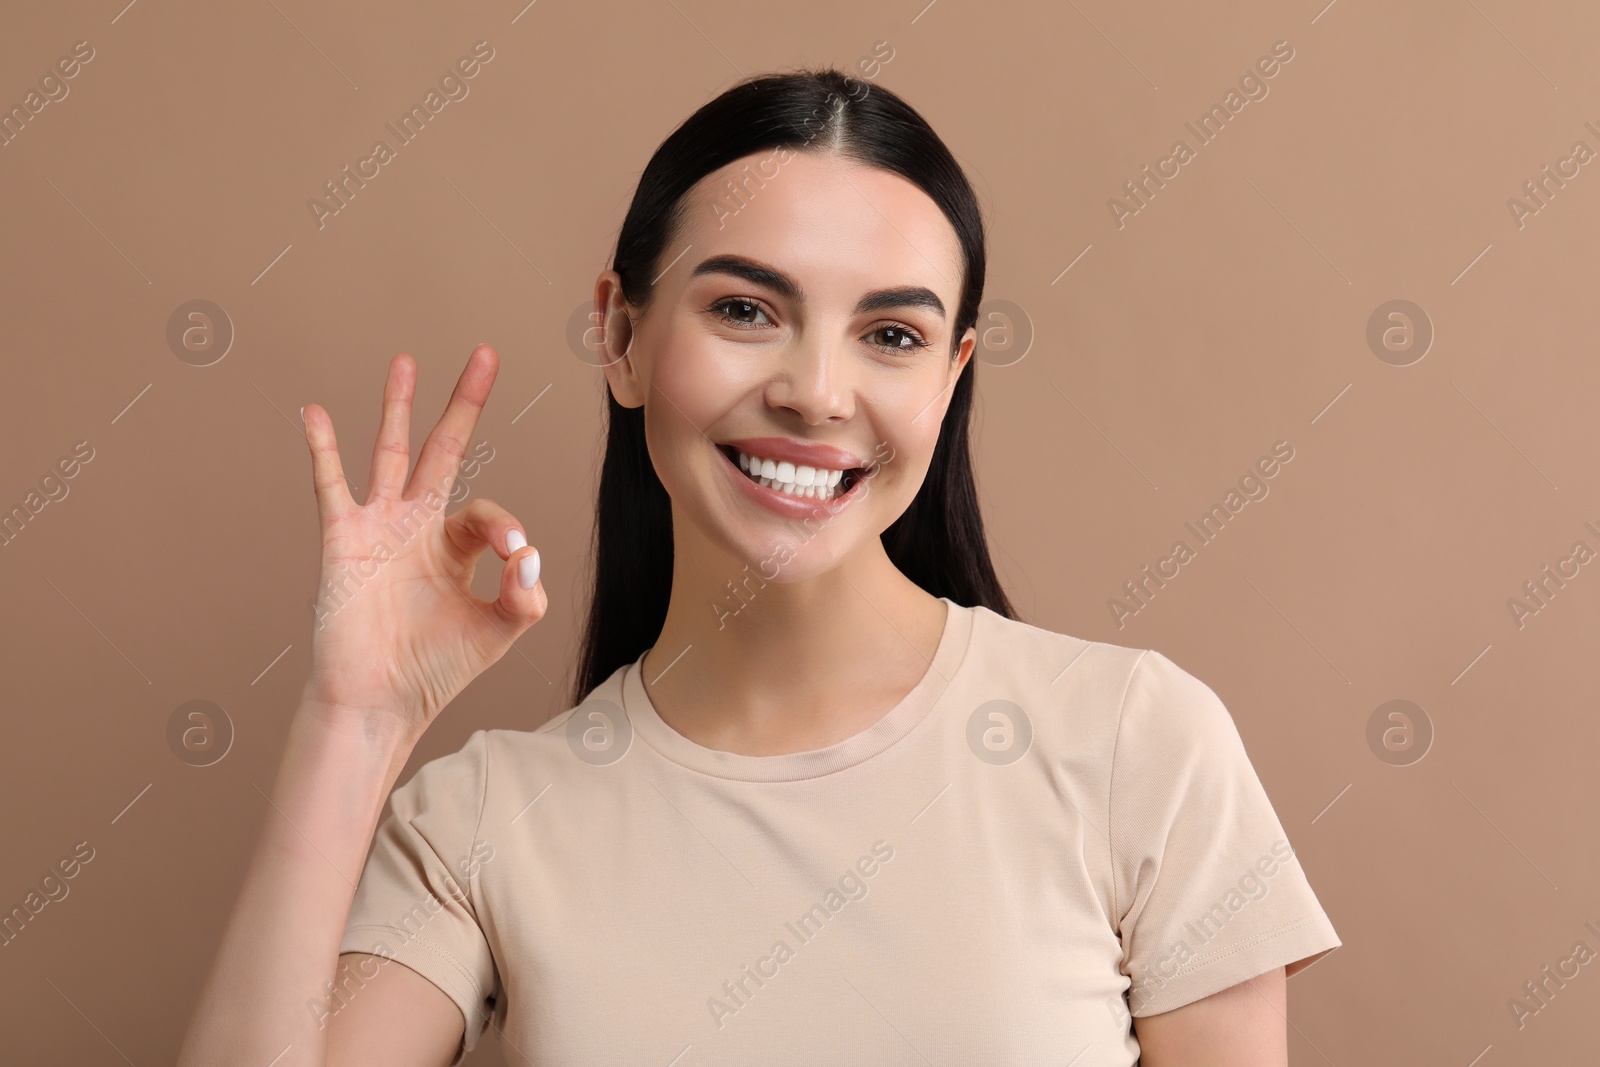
969, 343
615, 317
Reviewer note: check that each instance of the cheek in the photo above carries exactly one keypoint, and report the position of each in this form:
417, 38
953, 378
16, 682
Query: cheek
691, 387
696, 381
908, 426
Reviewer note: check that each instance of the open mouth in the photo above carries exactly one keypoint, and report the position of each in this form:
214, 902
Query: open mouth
794, 480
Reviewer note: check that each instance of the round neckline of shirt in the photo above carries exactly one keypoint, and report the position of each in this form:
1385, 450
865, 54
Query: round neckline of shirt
797, 766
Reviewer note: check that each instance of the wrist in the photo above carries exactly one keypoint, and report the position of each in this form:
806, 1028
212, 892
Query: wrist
370, 726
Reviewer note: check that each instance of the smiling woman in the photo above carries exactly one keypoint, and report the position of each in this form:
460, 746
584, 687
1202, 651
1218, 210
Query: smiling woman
1063, 814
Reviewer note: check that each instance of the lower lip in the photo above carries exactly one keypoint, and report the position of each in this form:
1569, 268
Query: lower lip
790, 507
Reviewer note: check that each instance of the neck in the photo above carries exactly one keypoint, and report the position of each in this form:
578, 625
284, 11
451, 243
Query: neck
747, 663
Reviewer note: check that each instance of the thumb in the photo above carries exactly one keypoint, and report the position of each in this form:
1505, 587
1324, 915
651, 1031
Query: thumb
522, 599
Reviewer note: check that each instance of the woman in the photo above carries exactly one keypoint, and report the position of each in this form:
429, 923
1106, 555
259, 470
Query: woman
820, 797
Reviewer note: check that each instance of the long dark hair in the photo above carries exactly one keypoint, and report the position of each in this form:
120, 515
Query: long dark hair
938, 542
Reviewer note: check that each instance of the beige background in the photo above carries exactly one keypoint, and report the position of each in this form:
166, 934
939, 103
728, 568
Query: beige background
1229, 314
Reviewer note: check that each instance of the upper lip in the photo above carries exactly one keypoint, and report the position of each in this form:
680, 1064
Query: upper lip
800, 453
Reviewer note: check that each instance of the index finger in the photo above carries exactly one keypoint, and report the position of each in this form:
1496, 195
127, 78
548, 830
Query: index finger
447, 442
327, 472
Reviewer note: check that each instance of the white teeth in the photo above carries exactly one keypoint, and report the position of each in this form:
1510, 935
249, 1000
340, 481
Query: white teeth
814, 483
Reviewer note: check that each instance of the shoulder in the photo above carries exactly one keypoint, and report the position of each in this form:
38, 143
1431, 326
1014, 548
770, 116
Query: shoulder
454, 779
1140, 695
1177, 744
560, 750
1061, 663
1165, 706
461, 782
506, 750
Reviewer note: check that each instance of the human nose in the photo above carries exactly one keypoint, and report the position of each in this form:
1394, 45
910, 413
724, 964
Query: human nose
814, 381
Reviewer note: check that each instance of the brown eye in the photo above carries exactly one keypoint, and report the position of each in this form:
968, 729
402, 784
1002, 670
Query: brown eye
900, 338
740, 312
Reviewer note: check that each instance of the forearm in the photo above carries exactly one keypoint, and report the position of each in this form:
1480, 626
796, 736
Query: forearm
281, 944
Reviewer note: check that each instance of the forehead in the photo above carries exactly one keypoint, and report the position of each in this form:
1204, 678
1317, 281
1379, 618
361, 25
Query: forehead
838, 227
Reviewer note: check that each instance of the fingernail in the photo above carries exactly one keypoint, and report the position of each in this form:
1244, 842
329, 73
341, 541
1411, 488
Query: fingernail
515, 540
302, 413
528, 570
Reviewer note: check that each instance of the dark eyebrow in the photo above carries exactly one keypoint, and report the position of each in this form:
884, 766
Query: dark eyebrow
789, 289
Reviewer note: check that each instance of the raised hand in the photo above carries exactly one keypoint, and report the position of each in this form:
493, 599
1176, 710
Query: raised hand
398, 631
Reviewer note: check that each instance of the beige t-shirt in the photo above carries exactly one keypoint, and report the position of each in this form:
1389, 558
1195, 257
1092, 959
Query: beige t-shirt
1045, 836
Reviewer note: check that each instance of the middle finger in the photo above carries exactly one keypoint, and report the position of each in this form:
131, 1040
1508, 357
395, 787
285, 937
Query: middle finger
442, 451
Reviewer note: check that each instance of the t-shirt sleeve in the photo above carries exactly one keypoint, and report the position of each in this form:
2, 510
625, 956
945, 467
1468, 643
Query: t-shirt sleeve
1208, 892
417, 901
